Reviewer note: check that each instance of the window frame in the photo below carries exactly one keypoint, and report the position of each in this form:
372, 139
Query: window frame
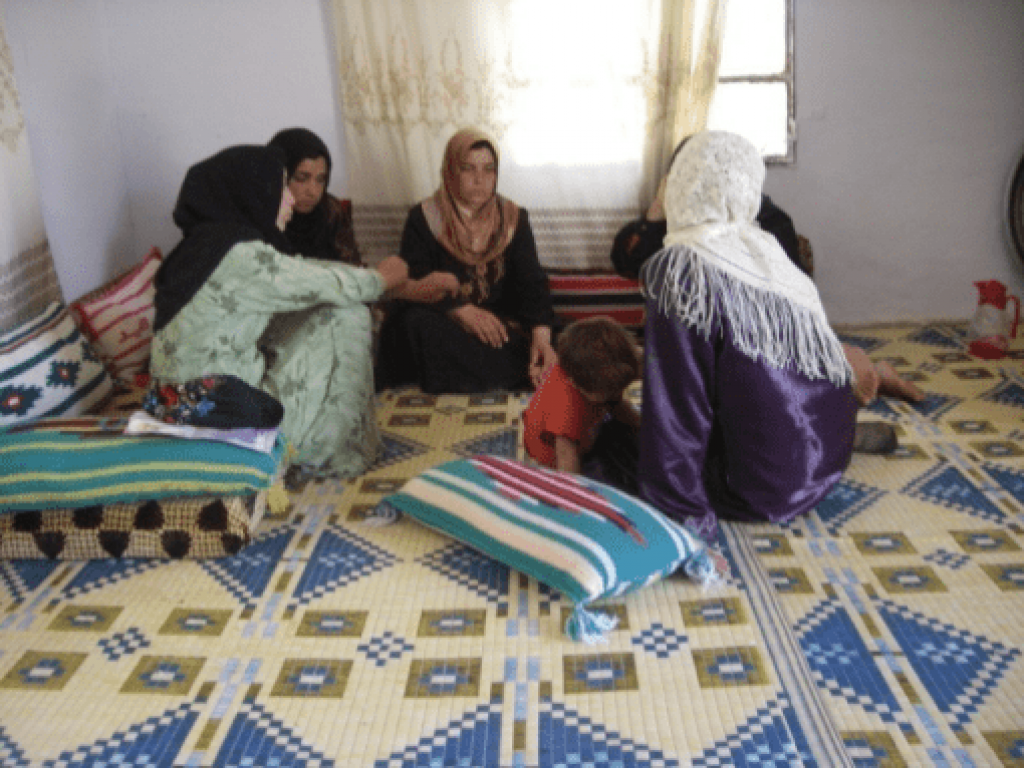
786, 77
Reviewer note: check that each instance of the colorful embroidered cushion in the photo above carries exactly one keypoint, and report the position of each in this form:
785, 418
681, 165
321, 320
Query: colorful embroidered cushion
580, 537
47, 368
59, 463
178, 527
118, 317
576, 297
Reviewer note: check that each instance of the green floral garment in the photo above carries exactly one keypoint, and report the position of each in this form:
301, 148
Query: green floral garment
311, 318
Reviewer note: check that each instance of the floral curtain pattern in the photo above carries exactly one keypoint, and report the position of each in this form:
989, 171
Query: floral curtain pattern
12, 123
586, 99
28, 281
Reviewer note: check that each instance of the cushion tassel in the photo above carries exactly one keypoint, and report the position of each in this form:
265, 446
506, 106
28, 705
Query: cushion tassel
590, 627
277, 499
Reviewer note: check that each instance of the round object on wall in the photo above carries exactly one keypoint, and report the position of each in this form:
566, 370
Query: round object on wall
1015, 209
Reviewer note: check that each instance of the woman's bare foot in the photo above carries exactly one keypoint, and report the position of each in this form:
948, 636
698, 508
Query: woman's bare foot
865, 378
892, 384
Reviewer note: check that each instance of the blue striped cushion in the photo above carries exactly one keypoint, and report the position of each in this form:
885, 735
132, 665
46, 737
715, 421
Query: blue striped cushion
47, 368
57, 463
580, 537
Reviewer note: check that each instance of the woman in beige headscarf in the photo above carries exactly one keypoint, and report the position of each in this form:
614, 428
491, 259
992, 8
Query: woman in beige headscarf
476, 315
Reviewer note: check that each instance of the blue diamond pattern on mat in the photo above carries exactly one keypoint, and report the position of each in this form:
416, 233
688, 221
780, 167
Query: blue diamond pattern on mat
21, 577
567, 738
384, 648
770, 738
945, 485
959, 669
937, 336
661, 641
397, 449
464, 565
500, 443
123, 643
867, 343
247, 574
11, 755
99, 574
952, 560
844, 502
256, 737
472, 740
1007, 393
842, 664
340, 558
155, 741
881, 408
935, 405
1012, 482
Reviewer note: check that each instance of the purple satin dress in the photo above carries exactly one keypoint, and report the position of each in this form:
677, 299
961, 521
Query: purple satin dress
725, 436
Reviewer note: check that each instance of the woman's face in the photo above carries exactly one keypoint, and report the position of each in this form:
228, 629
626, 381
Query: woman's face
478, 176
308, 183
284, 214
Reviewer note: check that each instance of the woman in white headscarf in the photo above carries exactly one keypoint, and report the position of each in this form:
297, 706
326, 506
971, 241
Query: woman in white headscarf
748, 408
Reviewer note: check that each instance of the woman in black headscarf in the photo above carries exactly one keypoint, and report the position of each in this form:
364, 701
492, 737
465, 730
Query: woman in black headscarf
321, 225
229, 300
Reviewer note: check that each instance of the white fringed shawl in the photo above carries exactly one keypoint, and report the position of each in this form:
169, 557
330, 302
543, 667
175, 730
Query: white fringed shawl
717, 262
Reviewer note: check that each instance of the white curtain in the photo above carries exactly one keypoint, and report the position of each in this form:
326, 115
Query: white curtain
27, 278
586, 98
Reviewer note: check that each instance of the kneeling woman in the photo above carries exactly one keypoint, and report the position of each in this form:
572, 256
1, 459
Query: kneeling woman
476, 315
748, 412
229, 300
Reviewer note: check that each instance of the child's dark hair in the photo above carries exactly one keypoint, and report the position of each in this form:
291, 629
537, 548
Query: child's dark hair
598, 355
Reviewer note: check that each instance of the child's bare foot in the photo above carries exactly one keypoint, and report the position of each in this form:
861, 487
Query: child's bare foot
892, 384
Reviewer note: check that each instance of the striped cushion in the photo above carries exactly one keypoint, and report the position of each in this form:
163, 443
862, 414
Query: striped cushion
47, 368
576, 297
59, 463
580, 537
118, 317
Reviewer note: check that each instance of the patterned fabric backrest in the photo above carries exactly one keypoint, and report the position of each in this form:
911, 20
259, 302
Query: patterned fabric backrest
47, 368
118, 317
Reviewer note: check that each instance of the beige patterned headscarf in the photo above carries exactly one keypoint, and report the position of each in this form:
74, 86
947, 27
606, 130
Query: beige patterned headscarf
473, 238
716, 260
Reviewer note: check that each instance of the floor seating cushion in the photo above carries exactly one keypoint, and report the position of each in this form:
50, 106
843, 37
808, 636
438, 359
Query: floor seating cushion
118, 317
177, 527
73, 463
580, 537
49, 369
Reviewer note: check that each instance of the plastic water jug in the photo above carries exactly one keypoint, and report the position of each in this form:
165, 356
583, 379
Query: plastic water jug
993, 325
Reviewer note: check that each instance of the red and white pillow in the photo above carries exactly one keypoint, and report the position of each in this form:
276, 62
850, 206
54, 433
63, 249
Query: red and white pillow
579, 296
118, 317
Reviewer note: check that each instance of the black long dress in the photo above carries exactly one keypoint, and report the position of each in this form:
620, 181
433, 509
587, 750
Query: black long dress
420, 344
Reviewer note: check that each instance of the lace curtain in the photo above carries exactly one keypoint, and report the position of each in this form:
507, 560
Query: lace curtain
27, 278
586, 98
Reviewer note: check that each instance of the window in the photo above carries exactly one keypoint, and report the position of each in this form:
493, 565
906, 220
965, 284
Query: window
755, 96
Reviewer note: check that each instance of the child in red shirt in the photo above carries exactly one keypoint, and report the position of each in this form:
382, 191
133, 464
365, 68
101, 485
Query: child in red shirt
577, 420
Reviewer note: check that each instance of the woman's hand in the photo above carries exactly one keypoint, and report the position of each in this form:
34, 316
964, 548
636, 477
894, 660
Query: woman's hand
432, 288
542, 354
481, 323
395, 272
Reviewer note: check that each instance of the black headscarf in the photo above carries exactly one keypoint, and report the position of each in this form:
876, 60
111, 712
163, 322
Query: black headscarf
311, 234
230, 198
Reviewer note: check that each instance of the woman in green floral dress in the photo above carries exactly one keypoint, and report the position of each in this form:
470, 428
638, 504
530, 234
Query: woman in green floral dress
231, 299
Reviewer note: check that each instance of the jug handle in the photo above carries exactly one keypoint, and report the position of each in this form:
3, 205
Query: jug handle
1016, 315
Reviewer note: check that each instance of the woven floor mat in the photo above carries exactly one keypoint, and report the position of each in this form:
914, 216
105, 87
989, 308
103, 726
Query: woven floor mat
884, 629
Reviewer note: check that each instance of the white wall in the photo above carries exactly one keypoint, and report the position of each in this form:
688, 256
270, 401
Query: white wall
910, 112
122, 96
911, 117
